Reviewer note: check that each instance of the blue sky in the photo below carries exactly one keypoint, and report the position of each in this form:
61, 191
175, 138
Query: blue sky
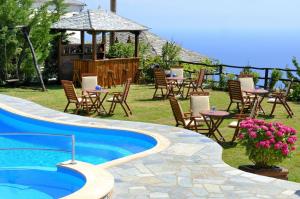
211, 26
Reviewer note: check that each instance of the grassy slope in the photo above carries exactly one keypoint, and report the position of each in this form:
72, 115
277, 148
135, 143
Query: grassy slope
158, 111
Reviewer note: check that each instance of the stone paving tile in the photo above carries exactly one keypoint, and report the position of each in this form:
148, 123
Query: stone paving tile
191, 167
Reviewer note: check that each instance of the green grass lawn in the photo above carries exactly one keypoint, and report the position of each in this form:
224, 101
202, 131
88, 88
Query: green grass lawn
158, 111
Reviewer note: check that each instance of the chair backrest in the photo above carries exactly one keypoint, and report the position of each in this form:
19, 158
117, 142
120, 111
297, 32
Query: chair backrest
199, 102
178, 71
254, 108
247, 82
288, 88
89, 82
69, 90
126, 89
160, 78
177, 110
235, 92
200, 78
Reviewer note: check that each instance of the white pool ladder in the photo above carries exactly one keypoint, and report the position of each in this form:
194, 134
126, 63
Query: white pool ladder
72, 137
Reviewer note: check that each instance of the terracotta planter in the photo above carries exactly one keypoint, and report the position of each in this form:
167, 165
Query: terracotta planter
275, 172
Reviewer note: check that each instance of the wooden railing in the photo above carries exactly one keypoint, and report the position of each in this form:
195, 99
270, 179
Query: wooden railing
220, 70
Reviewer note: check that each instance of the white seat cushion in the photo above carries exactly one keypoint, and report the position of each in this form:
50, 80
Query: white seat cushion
247, 83
199, 104
272, 100
89, 83
233, 124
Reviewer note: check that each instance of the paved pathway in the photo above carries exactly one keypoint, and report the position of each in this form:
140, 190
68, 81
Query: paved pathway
191, 167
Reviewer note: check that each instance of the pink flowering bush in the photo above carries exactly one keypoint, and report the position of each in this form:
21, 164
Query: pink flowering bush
267, 143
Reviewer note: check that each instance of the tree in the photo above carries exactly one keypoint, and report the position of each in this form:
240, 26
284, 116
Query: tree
170, 54
14, 13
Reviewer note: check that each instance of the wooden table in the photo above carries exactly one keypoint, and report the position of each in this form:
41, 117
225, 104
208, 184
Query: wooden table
179, 82
97, 101
258, 92
213, 119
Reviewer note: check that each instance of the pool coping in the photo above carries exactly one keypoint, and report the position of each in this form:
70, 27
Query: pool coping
105, 180
190, 166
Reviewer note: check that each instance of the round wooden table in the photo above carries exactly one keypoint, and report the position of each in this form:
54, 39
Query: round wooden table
97, 101
178, 82
213, 119
258, 92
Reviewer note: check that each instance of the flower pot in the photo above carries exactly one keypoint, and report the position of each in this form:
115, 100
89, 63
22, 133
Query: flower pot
274, 172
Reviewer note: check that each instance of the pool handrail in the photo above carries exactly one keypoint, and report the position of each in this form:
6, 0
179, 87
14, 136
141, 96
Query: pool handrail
72, 136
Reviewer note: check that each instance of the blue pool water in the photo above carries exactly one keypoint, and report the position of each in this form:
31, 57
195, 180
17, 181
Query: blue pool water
93, 145
38, 184
33, 173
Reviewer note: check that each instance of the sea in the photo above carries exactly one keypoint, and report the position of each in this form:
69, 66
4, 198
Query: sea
274, 49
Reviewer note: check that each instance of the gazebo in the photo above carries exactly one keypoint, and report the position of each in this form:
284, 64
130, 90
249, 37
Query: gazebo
73, 60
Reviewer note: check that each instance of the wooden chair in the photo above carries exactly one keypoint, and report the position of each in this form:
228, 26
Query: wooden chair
89, 81
182, 118
199, 102
121, 98
194, 85
236, 96
281, 98
162, 83
80, 102
241, 117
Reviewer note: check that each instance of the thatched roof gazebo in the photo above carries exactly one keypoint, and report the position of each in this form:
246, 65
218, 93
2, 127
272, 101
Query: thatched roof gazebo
95, 22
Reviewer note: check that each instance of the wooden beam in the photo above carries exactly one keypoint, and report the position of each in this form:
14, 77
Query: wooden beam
113, 8
136, 44
82, 43
94, 46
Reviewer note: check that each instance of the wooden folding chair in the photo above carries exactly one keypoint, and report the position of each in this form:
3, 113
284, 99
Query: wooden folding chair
182, 118
281, 98
121, 98
80, 102
199, 102
241, 117
236, 96
162, 83
194, 85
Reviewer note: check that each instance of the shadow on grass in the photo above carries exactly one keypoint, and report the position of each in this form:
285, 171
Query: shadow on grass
228, 145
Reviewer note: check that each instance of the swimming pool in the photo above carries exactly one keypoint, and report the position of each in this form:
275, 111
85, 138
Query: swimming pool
93, 145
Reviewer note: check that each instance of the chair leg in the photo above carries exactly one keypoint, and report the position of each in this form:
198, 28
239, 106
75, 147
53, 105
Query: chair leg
236, 132
78, 106
229, 106
273, 109
154, 95
67, 107
188, 92
242, 109
124, 109
287, 109
128, 107
111, 108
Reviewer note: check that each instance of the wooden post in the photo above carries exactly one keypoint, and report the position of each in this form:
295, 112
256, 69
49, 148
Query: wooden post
266, 78
220, 71
82, 43
113, 8
136, 46
94, 46
104, 43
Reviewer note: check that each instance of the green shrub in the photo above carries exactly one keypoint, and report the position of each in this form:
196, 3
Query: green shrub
121, 50
275, 77
170, 55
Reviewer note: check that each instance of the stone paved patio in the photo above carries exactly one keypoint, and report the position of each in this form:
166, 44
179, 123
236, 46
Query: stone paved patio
191, 167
